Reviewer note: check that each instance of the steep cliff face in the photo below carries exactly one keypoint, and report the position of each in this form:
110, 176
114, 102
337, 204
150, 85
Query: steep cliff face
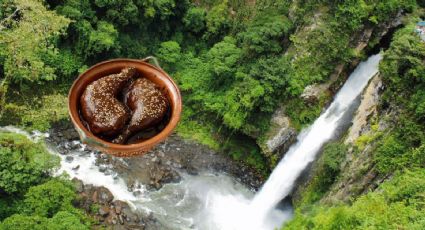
374, 175
282, 131
352, 163
358, 174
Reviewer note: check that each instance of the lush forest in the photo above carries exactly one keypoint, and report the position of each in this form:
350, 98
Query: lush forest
236, 62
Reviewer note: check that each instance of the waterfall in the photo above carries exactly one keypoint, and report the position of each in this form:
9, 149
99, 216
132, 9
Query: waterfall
215, 201
282, 180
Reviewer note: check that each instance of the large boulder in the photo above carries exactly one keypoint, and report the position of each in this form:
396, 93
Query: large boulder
102, 195
279, 137
312, 93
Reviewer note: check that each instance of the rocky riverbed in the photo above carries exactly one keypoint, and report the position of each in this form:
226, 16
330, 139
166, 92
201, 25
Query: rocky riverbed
167, 163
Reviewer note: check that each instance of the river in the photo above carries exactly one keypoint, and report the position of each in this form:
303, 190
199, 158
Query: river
211, 200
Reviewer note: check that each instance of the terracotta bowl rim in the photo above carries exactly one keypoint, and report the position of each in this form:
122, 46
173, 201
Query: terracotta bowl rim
174, 119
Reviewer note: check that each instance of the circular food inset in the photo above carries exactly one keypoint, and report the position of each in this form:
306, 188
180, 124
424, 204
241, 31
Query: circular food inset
121, 109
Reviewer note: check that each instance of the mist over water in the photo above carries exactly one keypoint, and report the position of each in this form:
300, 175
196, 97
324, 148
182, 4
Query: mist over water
216, 201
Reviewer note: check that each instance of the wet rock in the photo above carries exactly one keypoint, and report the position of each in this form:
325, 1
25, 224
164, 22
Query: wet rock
70, 134
67, 146
88, 188
119, 206
130, 215
74, 145
161, 154
279, 137
163, 175
121, 219
76, 168
78, 184
102, 168
111, 214
312, 93
63, 151
69, 159
102, 195
103, 211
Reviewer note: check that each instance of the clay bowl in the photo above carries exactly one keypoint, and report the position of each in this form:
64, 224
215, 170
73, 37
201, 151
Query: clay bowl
155, 74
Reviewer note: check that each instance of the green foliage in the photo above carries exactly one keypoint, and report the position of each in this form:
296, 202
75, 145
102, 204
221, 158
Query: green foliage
194, 19
9, 205
94, 208
234, 61
194, 129
169, 53
49, 198
368, 138
397, 152
238, 147
23, 163
325, 171
384, 10
21, 222
76, 10
401, 148
265, 34
303, 113
217, 19
223, 58
26, 41
120, 12
403, 68
48, 202
64, 220
131, 46
418, 104
67, 64
35, 111
403, 73
103, 38
333, 155
388, 152
317, 56
398, 204
61, 221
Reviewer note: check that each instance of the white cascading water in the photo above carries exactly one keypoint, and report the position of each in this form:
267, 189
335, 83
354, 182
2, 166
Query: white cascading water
210, 201
282, 180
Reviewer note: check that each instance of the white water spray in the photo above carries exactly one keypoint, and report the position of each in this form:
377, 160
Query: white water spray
282, 180
211, 202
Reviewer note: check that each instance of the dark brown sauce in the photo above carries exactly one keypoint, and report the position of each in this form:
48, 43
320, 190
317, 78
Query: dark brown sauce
143, 134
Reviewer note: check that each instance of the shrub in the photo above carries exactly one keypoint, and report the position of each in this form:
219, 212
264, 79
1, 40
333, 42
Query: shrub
325, 171
23, 163
22, 222
49, 198
61, 221
194, 19
398, 204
